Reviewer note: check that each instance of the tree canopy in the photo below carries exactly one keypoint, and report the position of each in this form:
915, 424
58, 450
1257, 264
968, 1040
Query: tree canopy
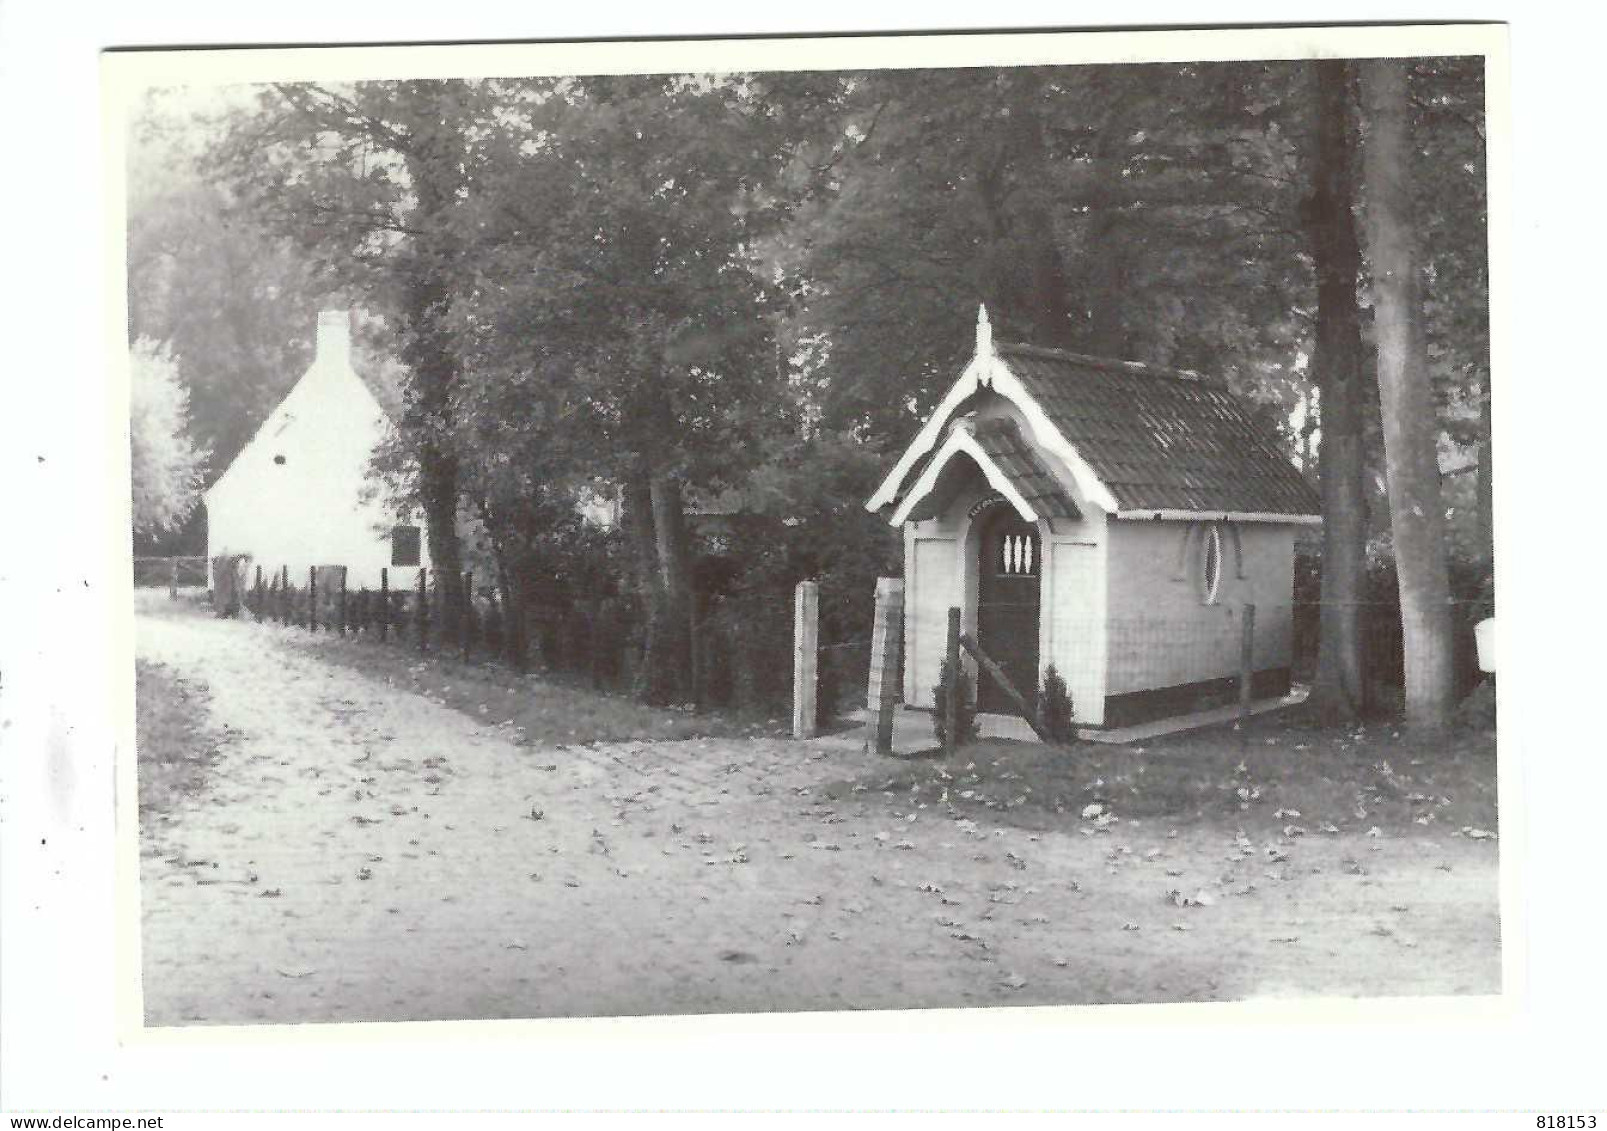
166, 466
666, 287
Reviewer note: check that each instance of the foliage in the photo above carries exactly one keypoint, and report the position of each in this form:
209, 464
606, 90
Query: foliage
745, 291
233, 303
1132, 230
1054, 708
166, 466
965, 724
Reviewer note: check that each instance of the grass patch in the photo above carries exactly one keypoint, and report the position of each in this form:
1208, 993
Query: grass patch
154, 604
173, 747
544, 707
1279, 772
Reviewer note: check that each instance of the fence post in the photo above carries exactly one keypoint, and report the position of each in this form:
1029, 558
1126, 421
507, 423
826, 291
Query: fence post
951, 693
312, 598
1246, 662
805, 656
384, 602
881, 692
986, 666
423, 612
466, 625
173, 579
258, 609
341, 612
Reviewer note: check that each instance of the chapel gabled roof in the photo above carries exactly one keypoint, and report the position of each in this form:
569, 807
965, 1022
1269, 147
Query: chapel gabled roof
1162, 440
1139, 441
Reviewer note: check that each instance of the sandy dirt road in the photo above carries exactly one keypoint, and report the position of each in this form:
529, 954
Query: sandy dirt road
361, 853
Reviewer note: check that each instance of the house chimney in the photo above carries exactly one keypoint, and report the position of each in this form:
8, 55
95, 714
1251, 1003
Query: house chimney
984, 332
334, 335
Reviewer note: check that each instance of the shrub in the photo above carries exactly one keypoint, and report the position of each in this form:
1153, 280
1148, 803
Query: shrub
964, 708
1054, 708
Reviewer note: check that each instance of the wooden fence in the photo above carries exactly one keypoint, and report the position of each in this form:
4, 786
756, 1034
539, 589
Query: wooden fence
173, 572
735, 644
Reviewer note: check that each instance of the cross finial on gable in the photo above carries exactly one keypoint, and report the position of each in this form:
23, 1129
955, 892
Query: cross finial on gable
984, 332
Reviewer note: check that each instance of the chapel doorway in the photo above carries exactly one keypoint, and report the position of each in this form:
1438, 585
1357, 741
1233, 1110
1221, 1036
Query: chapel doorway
1009, 585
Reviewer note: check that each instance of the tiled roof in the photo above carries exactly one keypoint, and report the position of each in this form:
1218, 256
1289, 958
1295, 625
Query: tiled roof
1162, 440
1015, 458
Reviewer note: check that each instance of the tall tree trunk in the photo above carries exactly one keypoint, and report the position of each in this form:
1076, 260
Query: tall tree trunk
669, 536
1330, 223
1050, 299
429, 358
1038, 300
636, 516
1484, 506
1411, 463
427, 351
671, 658
511, 601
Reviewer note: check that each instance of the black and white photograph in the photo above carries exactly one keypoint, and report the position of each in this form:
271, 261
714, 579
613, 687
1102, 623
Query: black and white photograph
725, 541
768, 561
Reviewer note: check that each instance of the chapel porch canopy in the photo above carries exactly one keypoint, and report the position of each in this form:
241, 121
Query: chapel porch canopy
996, 449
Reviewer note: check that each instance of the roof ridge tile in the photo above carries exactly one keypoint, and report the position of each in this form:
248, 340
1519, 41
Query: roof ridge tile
1112, 364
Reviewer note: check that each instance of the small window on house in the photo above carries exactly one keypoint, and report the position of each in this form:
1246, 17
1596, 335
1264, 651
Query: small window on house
404, 546
1211, 566
279, 460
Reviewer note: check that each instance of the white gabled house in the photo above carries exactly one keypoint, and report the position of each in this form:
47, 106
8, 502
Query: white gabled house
299, 495
1104, 516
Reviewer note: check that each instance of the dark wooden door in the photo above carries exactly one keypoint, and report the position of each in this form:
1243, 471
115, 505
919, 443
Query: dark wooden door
1009, 582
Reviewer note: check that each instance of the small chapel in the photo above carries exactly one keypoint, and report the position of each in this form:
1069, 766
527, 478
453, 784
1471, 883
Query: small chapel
1111, 518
